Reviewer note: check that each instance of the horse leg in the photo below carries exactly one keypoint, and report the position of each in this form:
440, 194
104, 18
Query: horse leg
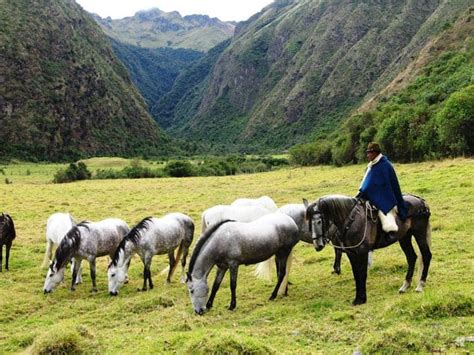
233, 285
424, 240
281, 272
359, 270
48, 254
217, 283
172, 261
93, 274
1, 256
76, 265
337, 262
7, 254
183, 263
410, 254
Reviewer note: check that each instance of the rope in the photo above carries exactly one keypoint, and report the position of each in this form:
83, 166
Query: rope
363, 237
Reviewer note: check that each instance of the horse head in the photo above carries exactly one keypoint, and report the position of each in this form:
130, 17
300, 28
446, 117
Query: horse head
117, 277
317, 225
198, 291
53, 278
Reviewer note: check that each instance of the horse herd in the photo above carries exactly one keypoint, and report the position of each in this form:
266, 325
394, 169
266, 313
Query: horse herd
248, 231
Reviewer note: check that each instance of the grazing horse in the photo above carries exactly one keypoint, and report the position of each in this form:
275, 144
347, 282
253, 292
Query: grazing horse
219, 213
358, 231
263, 201
229, 244
152, 236
7, 234
87, 240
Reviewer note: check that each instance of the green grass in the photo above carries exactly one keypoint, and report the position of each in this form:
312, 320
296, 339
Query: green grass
317, 316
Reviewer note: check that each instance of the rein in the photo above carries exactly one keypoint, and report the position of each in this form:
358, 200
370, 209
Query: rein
367, 208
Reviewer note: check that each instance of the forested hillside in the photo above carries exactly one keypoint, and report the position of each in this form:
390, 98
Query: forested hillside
64, 94
293, 72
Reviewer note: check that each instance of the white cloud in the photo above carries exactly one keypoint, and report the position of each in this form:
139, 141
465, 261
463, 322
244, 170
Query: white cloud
226, 10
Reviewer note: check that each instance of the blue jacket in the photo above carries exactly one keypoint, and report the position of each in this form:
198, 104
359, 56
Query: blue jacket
381, 187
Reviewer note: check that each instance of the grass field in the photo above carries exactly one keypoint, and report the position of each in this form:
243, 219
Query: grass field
316, 317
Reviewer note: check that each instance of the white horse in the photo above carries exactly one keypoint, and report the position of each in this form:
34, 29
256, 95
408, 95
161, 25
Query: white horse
152, 236
219, 213
263, 201
229, 244
87, 240
56, 228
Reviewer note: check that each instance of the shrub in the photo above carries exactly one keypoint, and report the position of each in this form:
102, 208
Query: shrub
73, 172
179, 168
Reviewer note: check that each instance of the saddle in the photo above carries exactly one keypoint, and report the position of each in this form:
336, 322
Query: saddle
417, 206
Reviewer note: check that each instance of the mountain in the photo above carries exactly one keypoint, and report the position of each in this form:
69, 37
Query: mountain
154, 70
155, 29
64, 94
297, 69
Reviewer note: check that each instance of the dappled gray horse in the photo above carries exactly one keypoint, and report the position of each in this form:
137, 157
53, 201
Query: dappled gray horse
230, 244
7, 235
87, 240
152, 236
358, 231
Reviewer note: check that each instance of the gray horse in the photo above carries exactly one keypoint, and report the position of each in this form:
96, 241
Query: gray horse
152, 236
229, 244
87, 240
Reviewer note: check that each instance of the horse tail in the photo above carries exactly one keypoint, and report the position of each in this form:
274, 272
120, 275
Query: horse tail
263, 270
284, 283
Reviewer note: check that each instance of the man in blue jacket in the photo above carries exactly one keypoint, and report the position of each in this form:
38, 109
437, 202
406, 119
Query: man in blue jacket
380, 186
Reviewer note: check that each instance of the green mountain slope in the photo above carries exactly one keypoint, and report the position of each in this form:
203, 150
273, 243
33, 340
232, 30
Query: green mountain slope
154, 70
155, 28
297, 69
64, 94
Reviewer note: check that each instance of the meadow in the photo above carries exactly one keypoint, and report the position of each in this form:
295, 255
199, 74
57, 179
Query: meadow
315, 317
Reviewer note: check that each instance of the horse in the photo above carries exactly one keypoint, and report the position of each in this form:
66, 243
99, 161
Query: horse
358, 231
87, 240
152, 236
7, 234
263, 201
229, 244
57, 226
219, 213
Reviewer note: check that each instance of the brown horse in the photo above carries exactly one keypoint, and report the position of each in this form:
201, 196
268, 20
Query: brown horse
7, 234
358, 231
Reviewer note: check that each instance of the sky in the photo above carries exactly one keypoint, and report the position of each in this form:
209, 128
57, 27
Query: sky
225, 10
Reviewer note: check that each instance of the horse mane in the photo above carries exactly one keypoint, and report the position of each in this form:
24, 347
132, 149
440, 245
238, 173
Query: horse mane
133, 236
200, 243
337, 207
69, 245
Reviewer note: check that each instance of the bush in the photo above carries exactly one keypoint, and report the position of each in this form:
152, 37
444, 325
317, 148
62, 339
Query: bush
456, 123
311, 154
179, 168
73, 172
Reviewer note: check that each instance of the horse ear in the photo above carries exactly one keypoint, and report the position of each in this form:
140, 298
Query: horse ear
306, 203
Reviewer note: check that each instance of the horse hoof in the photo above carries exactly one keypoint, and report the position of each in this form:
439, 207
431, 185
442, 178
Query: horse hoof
337, 272
94, 290
420, 286
231, 307
358, 302
406, 285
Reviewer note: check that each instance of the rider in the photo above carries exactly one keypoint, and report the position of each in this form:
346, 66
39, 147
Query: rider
380, 186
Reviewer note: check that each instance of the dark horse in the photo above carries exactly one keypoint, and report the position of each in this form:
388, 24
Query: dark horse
7, 234
358, 231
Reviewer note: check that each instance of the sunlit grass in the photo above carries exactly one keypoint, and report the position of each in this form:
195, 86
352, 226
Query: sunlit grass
316, 316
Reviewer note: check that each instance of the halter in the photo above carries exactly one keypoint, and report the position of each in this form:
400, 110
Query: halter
328, 240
